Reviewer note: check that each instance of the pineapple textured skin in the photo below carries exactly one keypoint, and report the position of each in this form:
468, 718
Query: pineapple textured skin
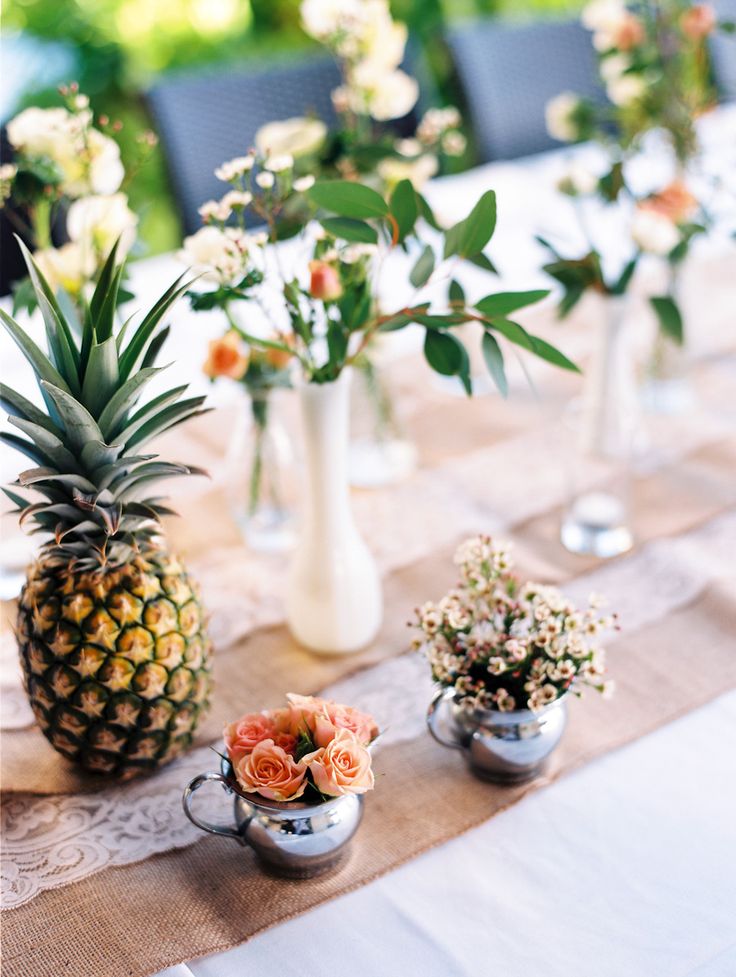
116, 665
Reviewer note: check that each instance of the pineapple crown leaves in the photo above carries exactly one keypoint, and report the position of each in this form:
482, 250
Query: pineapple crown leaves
86, 447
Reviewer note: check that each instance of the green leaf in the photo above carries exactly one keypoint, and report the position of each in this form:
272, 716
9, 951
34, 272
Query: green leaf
154, 348
25, 447
42, 366
49, 443
17, 405
502, 303
456, 293
79, 424
514, 333
670, 319
135, 348
404, 207
105, 284
443, 352
623, 282
350, 229
101, 376
163, 420
494, 361
422, 270
470, 236
482, 260
403, 318
337, 343
348, 199
545, 351
125, 398
426, 211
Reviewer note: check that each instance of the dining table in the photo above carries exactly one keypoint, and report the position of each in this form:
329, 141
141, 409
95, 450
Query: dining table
620, 859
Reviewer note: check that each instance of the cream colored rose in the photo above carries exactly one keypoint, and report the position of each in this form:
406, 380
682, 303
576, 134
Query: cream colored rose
387, 94
654, 232
341, 767
418, 171
559, 116
295, 137
271, 772
69, 267
97, 222
106, 171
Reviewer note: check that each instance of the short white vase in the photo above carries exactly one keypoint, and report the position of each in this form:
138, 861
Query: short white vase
334, 603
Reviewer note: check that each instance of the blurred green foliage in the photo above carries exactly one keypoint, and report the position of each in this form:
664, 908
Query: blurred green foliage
121, 45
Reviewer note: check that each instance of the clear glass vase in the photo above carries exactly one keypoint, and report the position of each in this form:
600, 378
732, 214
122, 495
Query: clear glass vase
667, 386
602, 427
379, 454
262, 475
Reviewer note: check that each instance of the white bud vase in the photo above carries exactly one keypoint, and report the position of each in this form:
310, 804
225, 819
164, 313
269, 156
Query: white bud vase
334, 603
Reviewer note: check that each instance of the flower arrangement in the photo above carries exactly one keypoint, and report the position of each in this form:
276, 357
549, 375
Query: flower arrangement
506, 646
369, 47
67, 167
653, 61
323, 311
311, 749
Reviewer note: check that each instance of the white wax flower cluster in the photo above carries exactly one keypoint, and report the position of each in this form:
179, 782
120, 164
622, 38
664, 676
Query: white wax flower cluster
506, 646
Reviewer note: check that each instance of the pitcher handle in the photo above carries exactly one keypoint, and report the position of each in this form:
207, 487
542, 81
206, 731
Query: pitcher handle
434, 713
194, 786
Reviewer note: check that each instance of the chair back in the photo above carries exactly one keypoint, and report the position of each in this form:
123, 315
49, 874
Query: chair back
509, 72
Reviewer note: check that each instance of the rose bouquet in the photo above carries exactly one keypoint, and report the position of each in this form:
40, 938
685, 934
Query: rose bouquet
506, 646
311, 749
68, 171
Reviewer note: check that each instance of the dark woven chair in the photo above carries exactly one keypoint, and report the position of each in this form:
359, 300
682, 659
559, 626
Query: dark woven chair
509, 72
206, 118
723, 53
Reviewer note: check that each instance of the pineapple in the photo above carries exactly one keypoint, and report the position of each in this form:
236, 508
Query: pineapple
111, 632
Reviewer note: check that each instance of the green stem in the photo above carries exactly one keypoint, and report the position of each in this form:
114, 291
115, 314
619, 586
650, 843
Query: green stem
259, 409
41, 221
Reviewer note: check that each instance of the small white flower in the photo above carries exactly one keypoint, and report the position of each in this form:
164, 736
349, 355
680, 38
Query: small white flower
279, 164
454, 143
654, 232
387, 95
219, 255
215, 210
559, 116
235, 168
300, 136
496, 666
237, 198
577, 181
603, 14
265, 180
303, 183
408, 147
626, 89
81, 102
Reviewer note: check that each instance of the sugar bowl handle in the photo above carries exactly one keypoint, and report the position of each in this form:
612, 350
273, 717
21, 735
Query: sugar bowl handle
437, 723
194, 786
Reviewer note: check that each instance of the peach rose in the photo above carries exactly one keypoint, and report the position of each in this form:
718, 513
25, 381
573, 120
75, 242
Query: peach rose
303, 711
271, 772
341, 767
628, 33
698, 21
674, 202
242, 736
324, 281
226, 357
335, 717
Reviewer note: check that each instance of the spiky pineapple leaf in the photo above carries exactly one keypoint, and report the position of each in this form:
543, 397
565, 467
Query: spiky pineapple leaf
43, 367
34, 476
58, 333
28, 448
53, 448
17, 405
137, 345
124, 398
155, 347
79, 425
97, 454
106, 284
101, 376
138, 432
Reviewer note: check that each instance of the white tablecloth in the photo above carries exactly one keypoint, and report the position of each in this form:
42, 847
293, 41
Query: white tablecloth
626, 868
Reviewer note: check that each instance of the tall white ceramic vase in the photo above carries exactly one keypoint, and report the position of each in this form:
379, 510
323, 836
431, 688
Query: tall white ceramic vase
334, 602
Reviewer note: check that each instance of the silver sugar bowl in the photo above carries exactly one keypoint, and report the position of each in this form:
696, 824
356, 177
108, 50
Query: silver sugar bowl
503, 747
292, 839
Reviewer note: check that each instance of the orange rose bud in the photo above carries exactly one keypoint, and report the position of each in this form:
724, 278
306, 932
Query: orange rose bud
279, 358
629, 33
674, 202
324, 282
698, 21
226, 357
